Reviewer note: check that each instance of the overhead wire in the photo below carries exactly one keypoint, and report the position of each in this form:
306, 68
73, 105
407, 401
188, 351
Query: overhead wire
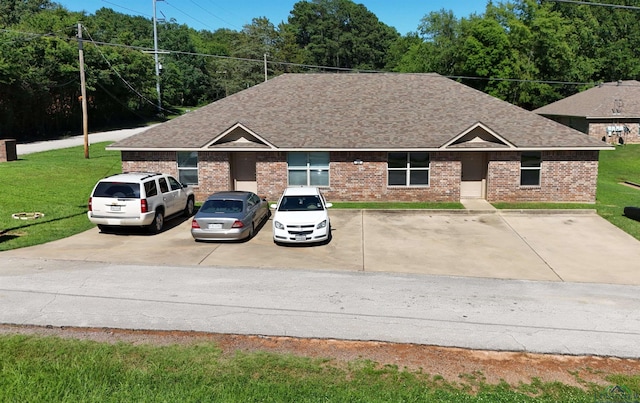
289, 64
215, 16
135, 91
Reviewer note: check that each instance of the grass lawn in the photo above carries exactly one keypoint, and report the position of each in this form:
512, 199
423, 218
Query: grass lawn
55, 183
45, 369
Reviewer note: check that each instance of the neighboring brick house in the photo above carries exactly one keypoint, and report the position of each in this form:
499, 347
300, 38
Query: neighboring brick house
371, 137
609, 112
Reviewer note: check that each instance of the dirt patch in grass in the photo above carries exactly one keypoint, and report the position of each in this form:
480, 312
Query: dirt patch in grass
452, 364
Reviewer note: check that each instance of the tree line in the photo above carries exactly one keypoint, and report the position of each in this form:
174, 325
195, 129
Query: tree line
527, 52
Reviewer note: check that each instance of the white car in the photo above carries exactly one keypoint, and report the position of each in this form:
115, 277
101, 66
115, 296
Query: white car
301, 216
140, 199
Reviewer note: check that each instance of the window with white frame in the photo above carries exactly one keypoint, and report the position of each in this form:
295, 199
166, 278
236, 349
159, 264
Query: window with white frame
408, 169
308, 168
188, 167
530, 164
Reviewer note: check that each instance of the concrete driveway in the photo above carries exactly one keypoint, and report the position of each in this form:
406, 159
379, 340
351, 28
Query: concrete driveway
570, 246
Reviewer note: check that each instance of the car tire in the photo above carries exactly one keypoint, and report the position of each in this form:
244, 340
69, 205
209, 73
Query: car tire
252, 231
157, 224
189, 208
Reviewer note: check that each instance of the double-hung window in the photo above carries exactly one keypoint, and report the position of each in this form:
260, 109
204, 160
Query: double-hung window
408, 169
530, 163
188, 167
308, 168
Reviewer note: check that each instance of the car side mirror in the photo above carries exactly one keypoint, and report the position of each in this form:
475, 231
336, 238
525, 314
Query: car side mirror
274, 206
329, 205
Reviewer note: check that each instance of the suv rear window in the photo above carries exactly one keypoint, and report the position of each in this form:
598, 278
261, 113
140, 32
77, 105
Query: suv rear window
117, 189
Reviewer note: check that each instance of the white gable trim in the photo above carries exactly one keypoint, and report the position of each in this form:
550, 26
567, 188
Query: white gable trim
473, 127
250, 132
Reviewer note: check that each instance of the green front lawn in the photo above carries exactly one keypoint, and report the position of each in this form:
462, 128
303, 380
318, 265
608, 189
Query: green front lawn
47, 369
55, 183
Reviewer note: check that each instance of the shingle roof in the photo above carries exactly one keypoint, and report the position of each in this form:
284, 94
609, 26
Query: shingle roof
357, 111
615, 100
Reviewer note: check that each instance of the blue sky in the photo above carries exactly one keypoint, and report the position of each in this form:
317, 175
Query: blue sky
404, 15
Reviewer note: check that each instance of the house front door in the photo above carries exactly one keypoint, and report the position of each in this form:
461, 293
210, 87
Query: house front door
474, 176
243, 171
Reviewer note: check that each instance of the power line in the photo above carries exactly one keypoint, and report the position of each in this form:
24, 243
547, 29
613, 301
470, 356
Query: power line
588, 3
125, 8
319, 67
215, 16
135, 91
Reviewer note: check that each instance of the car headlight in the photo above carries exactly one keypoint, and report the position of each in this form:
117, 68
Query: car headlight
278, 225
322, 224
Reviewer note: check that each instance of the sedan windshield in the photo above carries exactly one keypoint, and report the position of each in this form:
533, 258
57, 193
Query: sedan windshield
222, 206
300, 203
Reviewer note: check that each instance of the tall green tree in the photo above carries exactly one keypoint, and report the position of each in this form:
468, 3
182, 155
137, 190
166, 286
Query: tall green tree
340, 33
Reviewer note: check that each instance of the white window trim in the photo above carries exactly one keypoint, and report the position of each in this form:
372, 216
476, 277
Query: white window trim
308, 169
538, 168
183, 169
408, 170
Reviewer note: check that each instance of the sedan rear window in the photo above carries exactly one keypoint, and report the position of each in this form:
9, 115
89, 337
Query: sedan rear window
117, 189
222, 206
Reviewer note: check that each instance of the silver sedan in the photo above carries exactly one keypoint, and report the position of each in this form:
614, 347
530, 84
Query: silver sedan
232, 215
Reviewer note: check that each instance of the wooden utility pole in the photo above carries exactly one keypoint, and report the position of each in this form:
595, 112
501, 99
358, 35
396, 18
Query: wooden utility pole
83, 92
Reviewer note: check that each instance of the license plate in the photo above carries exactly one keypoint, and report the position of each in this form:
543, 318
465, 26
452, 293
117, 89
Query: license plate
115, 208
215, 226
301, 238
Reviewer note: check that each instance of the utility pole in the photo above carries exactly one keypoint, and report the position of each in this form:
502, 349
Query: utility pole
155, 48
83, 92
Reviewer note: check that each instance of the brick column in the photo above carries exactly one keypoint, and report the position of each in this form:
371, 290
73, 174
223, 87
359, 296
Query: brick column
8, 150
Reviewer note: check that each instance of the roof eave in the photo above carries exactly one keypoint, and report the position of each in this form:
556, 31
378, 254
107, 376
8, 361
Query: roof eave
394, 149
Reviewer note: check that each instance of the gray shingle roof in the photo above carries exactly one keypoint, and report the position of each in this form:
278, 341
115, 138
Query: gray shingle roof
602, 101
358, 111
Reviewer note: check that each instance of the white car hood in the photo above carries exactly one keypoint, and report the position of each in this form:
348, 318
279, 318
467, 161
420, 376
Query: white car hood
300, 217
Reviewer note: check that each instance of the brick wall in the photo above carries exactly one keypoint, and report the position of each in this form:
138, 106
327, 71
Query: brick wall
565, 176
599, 130
8, 150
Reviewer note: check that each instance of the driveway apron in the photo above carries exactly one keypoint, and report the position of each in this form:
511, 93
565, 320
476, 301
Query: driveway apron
565, 246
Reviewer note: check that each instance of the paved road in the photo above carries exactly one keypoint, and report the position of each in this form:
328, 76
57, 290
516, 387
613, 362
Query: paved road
515, 315
114, 135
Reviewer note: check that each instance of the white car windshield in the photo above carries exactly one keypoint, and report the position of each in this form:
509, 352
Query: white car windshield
300, 203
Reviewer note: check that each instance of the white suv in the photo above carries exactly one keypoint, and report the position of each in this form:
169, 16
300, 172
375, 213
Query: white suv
301, 216
141, 199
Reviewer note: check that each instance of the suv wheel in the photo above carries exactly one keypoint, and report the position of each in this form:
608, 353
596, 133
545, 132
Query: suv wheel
188, 210
157, 224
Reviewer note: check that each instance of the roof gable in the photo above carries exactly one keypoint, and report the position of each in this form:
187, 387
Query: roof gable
238, 136
478, 136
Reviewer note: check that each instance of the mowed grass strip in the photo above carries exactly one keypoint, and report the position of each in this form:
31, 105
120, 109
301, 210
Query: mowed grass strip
49, 369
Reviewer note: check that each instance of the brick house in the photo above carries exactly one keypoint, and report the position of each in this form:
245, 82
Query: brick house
609, 112
371, 137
